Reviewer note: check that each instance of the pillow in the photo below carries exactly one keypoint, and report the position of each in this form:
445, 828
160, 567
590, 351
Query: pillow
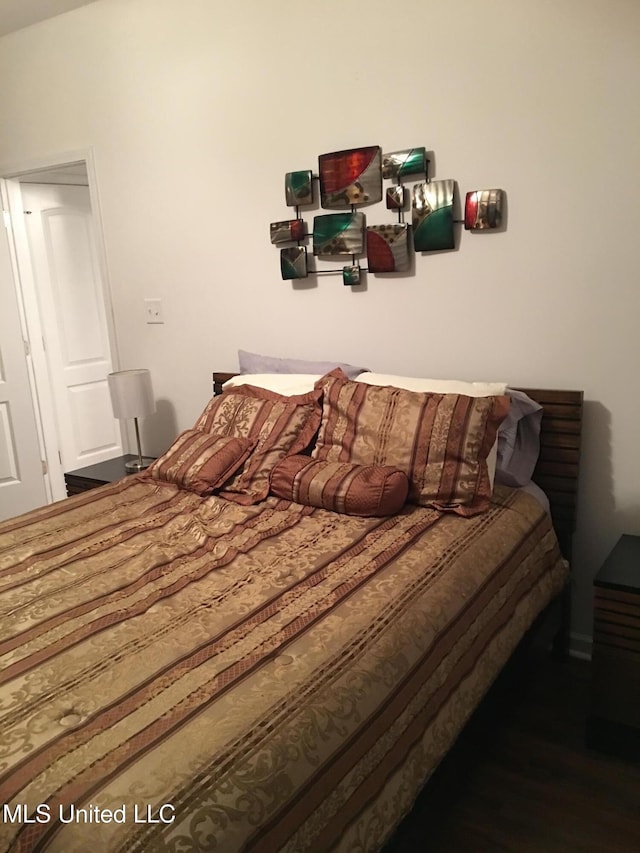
340, 486
438, 386
251, 362
519, 441
200, 462
444, 386
278, 425
441, 441
287, 384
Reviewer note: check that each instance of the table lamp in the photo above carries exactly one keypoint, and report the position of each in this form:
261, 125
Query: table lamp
132, 397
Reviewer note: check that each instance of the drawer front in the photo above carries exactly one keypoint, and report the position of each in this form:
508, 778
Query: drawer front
615, 684
616, 619
76, 485
614, 722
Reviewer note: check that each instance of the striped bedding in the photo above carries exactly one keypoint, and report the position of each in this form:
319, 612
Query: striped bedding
189, 674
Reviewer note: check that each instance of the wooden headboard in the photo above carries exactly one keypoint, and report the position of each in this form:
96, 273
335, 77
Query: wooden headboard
219, 379
559, 461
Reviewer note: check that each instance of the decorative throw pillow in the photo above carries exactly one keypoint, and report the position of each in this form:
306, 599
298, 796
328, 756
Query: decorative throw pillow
444, 386
441, 441
278, 425
200, 462
340, 486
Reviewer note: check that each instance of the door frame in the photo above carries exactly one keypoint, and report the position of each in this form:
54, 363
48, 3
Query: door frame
26, 293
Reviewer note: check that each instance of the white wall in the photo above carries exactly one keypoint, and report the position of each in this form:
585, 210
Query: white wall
196, 109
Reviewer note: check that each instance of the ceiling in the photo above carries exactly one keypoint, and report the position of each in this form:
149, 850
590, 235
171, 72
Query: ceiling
16, 14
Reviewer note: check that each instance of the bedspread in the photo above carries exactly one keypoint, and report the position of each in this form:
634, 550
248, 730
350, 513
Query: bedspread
188, 674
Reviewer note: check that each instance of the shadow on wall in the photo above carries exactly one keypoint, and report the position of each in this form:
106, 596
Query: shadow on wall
629, 519
158, 431
597, 527
596, 497
597, 506
600, 521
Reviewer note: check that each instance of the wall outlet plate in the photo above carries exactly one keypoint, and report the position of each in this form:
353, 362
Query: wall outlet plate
153, 311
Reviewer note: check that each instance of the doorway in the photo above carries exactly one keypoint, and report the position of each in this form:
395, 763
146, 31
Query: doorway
58, 395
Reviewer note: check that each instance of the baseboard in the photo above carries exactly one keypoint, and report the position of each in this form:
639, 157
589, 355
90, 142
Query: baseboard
580, 646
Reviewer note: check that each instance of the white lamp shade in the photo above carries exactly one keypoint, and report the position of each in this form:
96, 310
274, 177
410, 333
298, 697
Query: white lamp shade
131, 393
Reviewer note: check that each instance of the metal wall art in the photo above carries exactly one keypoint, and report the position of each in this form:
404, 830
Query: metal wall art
396, 197
432, 216
298, 188
338, 234
350, 177
293, 262
483, 209
400, 164
354, 178
388, 247
289, 231
351, 275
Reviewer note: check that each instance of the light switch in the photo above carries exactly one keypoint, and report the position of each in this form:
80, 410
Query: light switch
153, 311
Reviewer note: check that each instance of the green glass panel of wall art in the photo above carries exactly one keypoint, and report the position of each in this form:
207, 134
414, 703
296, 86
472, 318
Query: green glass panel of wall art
399, 164
338, 234
298, 188
293, 262
432, 216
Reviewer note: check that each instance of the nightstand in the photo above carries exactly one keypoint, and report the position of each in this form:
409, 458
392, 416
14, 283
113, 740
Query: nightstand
83, 479
614, 722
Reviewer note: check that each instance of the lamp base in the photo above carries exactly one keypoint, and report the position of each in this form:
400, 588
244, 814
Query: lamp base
134, 465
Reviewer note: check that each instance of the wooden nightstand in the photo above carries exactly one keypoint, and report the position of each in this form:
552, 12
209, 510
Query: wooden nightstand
614, 723
83, 479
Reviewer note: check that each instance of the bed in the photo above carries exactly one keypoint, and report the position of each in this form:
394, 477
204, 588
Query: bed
186, 670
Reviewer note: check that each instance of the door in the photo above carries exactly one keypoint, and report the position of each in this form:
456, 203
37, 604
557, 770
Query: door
22, 482
71, 304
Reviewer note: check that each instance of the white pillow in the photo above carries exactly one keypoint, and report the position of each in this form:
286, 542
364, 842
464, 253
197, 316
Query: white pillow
435, 386
288, 384
444, 386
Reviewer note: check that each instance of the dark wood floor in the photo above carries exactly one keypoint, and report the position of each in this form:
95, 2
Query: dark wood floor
521, 779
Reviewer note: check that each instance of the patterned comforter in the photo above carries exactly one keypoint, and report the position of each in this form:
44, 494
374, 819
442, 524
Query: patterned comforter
188, 674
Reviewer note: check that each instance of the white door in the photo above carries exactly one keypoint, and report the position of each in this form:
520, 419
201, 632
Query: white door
72, 310
22, 484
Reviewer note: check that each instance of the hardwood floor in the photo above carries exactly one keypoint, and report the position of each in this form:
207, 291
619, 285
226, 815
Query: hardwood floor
521, 779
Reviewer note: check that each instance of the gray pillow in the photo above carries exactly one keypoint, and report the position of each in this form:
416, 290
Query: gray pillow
251, 362
518, 441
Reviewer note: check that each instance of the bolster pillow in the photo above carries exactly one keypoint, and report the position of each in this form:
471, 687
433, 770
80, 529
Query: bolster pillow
367, 490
